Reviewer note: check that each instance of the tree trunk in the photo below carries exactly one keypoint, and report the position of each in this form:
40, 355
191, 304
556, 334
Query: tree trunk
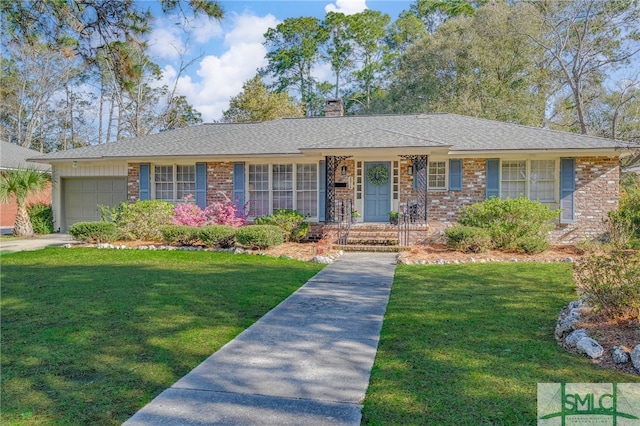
22, 227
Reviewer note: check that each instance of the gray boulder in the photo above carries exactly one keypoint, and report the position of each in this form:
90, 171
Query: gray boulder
589, 347
565, 325
322, 259
619, 355
635, 358
573, 338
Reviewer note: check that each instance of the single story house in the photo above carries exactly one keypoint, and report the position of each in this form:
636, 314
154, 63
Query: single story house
428, 166
13, 157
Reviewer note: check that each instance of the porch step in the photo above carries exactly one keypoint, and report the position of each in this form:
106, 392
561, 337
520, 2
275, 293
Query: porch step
372, 248
371, 237
364, 236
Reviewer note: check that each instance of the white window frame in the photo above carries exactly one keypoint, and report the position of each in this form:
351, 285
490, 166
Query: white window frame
524, 180
174, 182
528, 183
554, 182
294, 186
301, 192
445, 175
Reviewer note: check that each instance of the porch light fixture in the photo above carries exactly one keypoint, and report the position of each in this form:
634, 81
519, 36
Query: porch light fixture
343, 170
410, 170
74, 164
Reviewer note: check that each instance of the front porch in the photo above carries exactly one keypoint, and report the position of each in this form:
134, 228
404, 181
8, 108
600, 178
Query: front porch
360, 197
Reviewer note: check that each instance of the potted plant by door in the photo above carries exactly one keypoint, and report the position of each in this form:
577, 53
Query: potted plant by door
394, 217
354, 216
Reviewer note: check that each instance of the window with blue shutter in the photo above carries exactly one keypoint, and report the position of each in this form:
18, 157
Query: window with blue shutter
493, 177
455, 175
238, 185
567, 189
144, 186
201, 185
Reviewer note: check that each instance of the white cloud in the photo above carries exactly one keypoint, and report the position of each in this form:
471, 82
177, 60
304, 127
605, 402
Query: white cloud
165, 42
204, 29
172, 36
218, 78
348, 7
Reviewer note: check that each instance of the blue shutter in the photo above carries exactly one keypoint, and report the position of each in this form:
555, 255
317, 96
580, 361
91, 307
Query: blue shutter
455, 175
493, 177
144, 175
238, 186
322, 193
567, 189
201, 185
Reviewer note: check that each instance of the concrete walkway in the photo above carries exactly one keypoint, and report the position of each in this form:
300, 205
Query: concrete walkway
306, 362
35, 243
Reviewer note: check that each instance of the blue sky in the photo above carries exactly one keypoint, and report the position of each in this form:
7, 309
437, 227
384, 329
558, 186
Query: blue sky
229, 52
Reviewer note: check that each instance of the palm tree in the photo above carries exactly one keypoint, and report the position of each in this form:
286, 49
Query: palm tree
21, 183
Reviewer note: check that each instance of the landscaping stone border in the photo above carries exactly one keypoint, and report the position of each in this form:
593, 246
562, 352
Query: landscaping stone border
578, 341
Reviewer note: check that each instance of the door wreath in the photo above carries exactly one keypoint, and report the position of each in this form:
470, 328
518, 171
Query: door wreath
378, 175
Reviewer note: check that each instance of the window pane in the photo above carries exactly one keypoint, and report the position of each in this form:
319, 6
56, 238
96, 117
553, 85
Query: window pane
437, 174
283, 177
514, 179
258, 203
543, 180
185, 181
163, 179
258, 189
282, 200
282, 186
307, 189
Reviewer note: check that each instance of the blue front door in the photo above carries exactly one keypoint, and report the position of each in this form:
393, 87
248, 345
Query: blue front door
377, 194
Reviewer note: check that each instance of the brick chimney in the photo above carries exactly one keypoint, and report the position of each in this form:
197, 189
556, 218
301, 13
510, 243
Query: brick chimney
334, 108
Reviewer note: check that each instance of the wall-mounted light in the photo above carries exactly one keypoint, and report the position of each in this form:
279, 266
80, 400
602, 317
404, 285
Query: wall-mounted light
410, 170
343, 170
74, 164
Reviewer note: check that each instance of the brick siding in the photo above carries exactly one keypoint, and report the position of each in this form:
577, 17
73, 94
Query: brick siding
219, 181
133, 182
597, 193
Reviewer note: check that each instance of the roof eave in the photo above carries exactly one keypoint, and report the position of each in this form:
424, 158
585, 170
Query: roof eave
556, 151
398, 150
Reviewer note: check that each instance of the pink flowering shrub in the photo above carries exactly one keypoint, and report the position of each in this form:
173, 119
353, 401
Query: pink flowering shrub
225, 213
189, 214
220, 213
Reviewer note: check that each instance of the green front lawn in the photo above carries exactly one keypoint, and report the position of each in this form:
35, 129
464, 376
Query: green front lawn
467, 345
90, 336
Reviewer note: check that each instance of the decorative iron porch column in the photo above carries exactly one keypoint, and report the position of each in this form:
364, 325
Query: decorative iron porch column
331, 163
420, 186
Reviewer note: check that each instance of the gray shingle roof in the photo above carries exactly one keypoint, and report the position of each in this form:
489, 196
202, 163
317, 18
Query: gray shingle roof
14, 156
292, 136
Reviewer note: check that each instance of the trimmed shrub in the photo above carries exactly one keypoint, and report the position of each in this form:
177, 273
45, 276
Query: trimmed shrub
259, 236
610, 281
217, 236
41, 216
468, 239
514, 224
90, 232
179, 235
290, 221
142, 220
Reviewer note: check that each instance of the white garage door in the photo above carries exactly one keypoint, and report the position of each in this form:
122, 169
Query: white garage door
82, 196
